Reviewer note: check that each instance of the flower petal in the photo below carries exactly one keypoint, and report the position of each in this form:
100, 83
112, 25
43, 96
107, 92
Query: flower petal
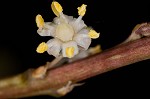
77, 24
69, 49
57, 20
82, 39
48, 29
54, 47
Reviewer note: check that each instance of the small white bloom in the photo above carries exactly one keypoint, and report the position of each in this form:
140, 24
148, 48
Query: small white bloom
70, 35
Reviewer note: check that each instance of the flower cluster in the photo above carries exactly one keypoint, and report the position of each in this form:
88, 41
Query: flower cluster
70, 35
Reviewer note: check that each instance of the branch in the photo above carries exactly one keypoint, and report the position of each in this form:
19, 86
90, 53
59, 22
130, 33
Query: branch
59, 81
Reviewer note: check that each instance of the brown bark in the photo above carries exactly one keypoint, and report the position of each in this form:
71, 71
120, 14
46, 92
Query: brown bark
121, 55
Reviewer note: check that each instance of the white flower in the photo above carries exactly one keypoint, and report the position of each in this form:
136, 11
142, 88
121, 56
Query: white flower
70, 35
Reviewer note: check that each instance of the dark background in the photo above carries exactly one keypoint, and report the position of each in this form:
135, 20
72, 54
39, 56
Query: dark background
113, 19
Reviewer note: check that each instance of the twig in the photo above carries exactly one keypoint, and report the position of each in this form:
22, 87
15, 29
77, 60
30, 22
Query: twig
61, 80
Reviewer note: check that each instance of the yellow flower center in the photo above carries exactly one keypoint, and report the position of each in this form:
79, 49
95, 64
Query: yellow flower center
64, 32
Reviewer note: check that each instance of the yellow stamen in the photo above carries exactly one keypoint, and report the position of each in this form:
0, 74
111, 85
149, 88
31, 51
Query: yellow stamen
95, 50
82, 10
39, 21
56, 8
70, 52
93, 34
42, 47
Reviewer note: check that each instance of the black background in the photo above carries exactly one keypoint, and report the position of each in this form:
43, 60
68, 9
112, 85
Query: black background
113, 19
